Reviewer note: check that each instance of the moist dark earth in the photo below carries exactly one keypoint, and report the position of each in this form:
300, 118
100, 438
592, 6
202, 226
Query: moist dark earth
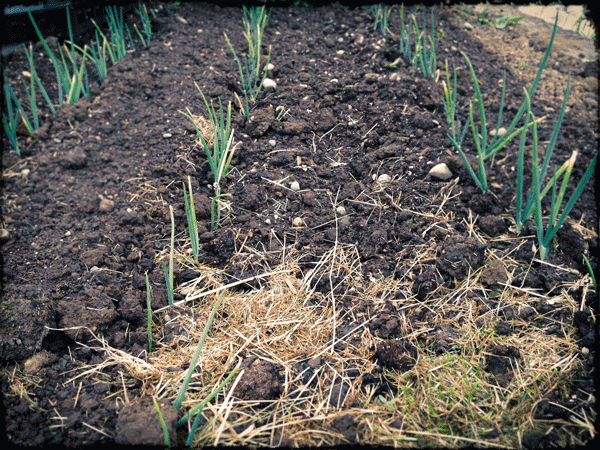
86, 210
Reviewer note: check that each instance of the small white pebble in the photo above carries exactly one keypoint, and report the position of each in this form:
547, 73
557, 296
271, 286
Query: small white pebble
184, 290
384, 178
268, 83
272, 142
440, 171
295, 186
297, 222
270, 66
106, 205
501, 132
4, 235
585, 351
340, 210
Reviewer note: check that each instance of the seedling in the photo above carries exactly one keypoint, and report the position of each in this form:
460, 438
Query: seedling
255, 20
146, 25
70, 80
190, 213
499, 23
381, 13
149, 306
450, 108
117, 49
169, 272
523, 214
480, 134
162, 424
503, 22
98, 50
423, 55
281, 112
14, 108
35, 80
404, 35
181, 394
555, 221
222, 152
10, 120
486, 150
197, 410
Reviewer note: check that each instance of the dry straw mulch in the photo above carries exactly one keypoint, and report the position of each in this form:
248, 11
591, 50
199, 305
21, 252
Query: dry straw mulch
446, 398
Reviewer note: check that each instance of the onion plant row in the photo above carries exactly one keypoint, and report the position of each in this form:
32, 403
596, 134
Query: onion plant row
417, 46
195, 412
15, 111
117, 49
546, 232
219, 158
70, 69
251, 74
532, 204
71, 76
485, 149
146, 37
221, 153
381, 14
72, 82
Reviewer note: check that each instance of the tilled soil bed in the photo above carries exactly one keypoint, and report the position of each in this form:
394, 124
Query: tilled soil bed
379, 304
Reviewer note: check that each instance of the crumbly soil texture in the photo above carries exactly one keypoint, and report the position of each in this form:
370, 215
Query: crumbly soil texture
86, 215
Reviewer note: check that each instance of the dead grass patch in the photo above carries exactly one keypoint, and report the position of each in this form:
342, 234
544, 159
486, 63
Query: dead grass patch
449, 398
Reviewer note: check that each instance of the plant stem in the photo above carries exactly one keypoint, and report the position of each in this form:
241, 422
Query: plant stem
179, 399
149, 307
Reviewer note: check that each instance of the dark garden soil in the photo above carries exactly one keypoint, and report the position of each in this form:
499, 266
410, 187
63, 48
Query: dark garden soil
85, 212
